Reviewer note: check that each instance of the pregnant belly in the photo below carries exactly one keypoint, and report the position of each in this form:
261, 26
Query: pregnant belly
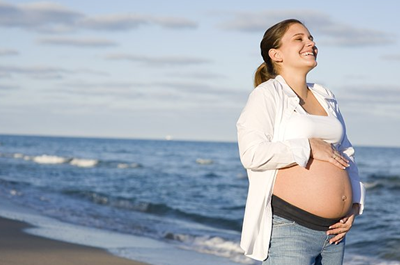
321, 188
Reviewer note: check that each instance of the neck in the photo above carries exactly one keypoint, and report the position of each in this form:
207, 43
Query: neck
297, 82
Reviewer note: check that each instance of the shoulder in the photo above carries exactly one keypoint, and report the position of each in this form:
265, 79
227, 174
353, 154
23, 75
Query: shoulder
269, 89
264, 96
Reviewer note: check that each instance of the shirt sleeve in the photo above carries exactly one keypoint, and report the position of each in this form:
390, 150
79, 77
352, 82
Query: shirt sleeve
348, 151
357, 186
255, 129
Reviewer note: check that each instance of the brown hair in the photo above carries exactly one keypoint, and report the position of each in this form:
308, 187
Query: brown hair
271, 40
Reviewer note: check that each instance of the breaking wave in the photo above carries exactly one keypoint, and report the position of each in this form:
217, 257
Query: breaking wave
45, 159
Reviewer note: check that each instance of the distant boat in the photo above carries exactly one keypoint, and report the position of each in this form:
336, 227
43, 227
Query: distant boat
168, 137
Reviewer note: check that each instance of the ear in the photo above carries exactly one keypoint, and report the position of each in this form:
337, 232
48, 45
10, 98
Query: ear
275, 55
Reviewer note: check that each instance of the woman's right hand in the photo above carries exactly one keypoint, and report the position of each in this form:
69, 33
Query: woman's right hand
324, 151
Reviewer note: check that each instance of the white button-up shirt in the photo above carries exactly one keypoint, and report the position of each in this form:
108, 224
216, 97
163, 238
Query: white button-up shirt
263, 150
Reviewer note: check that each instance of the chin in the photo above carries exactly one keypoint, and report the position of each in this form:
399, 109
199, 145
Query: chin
314, 64
311, 67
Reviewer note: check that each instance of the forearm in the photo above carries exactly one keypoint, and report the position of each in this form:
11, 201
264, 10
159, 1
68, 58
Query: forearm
265, 155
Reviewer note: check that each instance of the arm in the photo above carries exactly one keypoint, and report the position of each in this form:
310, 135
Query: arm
255, 128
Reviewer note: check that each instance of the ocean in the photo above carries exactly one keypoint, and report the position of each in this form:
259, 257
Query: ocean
190, 195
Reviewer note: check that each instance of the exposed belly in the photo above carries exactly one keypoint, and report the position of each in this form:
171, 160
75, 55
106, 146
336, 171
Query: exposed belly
322, 188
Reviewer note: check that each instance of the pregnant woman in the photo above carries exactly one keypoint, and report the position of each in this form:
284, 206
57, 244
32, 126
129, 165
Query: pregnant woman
304, 188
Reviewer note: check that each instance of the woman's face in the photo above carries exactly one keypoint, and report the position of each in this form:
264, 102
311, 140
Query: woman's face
297, 49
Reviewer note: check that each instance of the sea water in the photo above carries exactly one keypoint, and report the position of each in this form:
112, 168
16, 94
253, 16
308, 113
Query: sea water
189, 195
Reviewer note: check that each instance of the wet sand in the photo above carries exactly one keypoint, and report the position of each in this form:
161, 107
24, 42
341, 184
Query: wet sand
19, 248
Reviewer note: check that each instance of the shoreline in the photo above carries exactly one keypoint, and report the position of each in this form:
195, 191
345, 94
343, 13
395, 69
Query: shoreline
19, 247
29, 238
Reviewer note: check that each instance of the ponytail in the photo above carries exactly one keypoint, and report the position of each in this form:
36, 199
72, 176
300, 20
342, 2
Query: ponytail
262, 74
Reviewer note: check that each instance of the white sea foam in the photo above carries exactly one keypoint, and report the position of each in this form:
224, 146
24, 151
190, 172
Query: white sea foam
215, 246
15, 193
46, 159
83, 162
370, 185
131, 165
202, 161
18, 155
50, 159
221, 247
350, 259
241, 176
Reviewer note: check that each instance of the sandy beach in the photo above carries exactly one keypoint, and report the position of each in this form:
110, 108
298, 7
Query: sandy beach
19, 248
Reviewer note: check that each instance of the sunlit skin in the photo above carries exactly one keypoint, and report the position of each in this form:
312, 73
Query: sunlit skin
323, 187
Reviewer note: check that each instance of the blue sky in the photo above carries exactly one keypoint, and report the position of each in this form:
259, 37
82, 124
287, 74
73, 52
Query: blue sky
147, 69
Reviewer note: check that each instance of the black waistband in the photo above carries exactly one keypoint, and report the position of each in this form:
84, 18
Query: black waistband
288, 211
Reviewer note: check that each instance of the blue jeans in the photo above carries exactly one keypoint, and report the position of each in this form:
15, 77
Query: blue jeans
293, 244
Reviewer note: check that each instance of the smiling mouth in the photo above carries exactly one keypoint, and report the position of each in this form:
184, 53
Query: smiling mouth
308, 54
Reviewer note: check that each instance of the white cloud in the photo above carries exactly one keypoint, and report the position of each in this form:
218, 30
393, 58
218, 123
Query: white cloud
159, 60
349, 36
391, 57
197, 93
193, 87
260, 21
106, 91
114, 22
54, 18
5, 75
6, 87
33, 70
174, 22
78, 42
8, 52
133, 21
378, 100
82, 84
92, 72
43, 72
196, 75
335, 33
162, 94
36, 15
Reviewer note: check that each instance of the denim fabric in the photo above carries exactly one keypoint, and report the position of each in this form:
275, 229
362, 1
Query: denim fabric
293, 244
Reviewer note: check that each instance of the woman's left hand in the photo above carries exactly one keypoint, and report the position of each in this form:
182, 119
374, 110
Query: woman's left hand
341, 228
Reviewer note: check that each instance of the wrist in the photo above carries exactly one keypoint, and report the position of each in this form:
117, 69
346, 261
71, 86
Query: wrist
310, 143
356, 208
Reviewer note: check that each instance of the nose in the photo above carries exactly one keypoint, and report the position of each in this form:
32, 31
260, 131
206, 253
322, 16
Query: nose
311, 43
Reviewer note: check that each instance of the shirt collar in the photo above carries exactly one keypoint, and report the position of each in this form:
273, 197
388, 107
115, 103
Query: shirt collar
316, 89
